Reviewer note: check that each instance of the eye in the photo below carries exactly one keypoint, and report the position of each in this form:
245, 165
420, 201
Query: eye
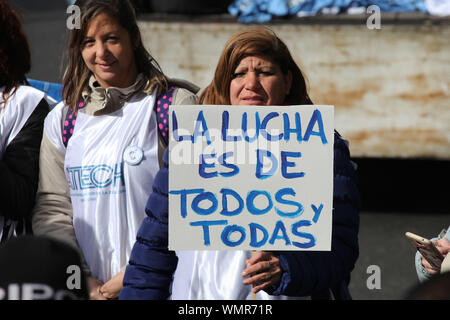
113, 39
88, 42
266, 73
238, 75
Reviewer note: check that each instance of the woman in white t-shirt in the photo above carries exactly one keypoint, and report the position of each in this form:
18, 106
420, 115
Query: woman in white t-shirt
99, 152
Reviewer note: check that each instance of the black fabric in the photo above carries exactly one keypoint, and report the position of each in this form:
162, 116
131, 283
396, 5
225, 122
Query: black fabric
315, 273
19, 167
194, 7
40, 268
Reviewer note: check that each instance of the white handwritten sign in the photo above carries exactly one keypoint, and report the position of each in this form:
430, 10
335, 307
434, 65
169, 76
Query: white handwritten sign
250, 177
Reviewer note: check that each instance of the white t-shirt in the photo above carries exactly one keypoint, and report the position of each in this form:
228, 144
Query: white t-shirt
110, 164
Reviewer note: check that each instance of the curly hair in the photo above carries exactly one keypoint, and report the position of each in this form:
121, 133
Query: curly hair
15, 59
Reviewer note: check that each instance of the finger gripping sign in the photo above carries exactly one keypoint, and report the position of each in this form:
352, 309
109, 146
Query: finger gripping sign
251, 177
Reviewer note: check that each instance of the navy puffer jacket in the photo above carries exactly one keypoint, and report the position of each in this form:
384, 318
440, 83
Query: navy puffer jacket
319, 274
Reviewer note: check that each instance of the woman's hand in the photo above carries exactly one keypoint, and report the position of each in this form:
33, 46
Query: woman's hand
94, 289
263, 269
443, 245
111, 289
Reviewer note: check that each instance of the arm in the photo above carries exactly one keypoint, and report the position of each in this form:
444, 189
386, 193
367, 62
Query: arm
52, 214
313, 273
19, 167
423, 267
150, 270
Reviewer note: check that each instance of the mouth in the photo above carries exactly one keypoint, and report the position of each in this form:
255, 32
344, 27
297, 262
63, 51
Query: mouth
253, 100
105, 66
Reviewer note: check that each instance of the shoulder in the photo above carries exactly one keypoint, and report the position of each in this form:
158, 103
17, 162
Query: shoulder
183, 96
33, 94
56, 113
345, 177
21, 105
25, 99
27, 92
340, 143
25, 110
53, 126
342, 153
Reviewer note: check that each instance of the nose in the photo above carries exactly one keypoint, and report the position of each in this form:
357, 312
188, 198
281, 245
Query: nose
251, 81
101, 50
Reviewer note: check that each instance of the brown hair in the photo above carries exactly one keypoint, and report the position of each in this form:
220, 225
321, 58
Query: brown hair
253, 42
76, 77
15, 60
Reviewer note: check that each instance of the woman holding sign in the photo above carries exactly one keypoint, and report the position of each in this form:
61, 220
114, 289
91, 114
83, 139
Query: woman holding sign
255, 68
99, 153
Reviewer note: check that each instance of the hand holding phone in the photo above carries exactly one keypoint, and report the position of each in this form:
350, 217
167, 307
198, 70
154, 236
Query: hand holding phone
427, 250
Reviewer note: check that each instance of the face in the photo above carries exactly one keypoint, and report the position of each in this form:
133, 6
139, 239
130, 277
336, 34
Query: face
108, 52
259, 81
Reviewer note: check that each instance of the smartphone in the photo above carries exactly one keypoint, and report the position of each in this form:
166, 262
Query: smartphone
427, 250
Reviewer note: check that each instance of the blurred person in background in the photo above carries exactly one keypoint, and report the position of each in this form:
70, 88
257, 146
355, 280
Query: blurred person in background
41, 268
22, 113
423, 268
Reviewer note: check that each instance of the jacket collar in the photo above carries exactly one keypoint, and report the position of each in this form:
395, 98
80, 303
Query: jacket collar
99, 100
